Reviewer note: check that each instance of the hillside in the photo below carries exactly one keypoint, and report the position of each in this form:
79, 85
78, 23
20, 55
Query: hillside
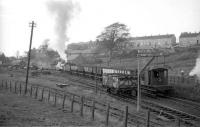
180, 59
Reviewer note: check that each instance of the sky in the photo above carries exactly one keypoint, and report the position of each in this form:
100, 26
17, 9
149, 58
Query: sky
89, 17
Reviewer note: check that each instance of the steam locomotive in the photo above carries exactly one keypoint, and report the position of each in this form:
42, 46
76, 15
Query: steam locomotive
154, 80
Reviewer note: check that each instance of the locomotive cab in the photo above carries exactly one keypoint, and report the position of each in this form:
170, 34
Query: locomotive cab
158, 77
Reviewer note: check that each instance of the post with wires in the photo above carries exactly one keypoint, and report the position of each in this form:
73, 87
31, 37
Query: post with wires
138, 87
32, 25
96, 81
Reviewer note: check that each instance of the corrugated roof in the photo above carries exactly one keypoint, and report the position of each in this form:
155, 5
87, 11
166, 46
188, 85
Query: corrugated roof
186, 34
153, 37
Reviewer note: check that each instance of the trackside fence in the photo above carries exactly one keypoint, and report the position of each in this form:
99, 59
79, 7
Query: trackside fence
177, 80
85, 106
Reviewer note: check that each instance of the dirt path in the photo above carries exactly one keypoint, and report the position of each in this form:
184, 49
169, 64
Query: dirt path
23, 111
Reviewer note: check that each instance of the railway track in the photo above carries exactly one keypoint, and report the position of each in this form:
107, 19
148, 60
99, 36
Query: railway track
159, 109
186, 102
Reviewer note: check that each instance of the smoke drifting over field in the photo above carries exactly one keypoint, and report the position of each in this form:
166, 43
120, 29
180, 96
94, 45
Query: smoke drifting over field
63, 12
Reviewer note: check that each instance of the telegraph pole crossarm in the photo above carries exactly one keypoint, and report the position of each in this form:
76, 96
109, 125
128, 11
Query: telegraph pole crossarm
32, 25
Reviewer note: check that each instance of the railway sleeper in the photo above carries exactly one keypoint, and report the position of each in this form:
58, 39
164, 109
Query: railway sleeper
122, 92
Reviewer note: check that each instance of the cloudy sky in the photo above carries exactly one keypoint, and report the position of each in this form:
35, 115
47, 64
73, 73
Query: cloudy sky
87, 18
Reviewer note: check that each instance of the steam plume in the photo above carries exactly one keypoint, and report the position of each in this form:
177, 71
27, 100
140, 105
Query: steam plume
196, 69
63, 12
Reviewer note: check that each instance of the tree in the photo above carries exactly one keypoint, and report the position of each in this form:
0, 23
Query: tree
113, 37
3, 58
45, 45
44, 56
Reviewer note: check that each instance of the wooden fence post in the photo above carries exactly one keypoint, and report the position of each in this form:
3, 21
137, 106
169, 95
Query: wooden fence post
177, 122
93, 109
20, 88
81, 106
63, 104
72, 104
107, 114
10, 86
126, 117
42, 94
49, 95
55, 99
31, 91
6, 85
36, 92
15, 87
148, 118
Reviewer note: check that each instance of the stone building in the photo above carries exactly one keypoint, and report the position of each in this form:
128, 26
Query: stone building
189, 39
149, 42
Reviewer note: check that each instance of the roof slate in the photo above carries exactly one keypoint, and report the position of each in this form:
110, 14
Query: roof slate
185, 34
153, 37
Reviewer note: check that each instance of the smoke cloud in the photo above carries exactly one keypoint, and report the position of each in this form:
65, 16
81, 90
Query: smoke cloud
63, 12
196, 69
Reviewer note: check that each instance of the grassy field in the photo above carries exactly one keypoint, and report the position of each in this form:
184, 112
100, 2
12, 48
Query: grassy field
21, 111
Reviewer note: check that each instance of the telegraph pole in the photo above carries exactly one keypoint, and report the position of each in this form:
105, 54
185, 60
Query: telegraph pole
139, 85
32, 25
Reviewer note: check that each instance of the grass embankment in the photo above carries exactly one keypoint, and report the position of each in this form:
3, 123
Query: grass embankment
21, 111
181, 59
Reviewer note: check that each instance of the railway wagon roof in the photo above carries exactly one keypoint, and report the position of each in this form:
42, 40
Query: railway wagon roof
119, 75
159, 67
105, 67
118, 68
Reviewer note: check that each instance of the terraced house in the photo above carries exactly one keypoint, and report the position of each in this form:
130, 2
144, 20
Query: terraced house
189, 39
149, 42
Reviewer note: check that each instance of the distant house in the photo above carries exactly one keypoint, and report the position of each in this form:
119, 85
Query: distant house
188, 39
149, 42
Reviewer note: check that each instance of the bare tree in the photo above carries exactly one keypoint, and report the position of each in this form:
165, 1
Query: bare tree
113, 37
